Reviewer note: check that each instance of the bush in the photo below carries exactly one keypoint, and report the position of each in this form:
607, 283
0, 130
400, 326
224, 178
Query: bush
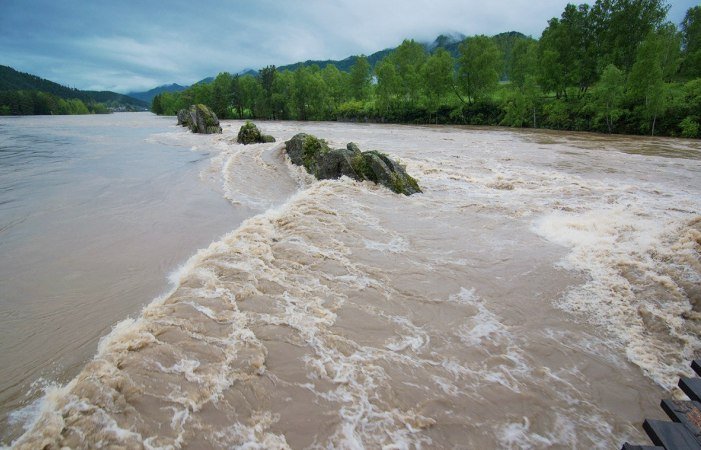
689, 127
312, 149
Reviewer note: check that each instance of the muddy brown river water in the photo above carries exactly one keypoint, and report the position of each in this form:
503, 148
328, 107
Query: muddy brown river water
543, 292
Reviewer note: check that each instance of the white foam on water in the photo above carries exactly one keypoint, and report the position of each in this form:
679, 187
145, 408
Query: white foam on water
484, 326
253, 437
627, 255
275, 311
415, 339
518, 435
396, 245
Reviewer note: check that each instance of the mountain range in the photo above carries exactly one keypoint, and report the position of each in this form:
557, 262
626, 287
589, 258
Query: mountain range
147, 96
449, 42
13, 80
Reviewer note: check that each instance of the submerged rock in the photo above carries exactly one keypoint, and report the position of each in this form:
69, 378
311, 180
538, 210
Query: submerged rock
199, 119
250, 134
325, 163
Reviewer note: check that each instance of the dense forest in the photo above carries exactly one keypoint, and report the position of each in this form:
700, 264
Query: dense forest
617, 66
26, 94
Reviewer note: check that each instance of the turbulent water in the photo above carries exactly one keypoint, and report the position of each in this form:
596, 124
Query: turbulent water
543, 291
95, 211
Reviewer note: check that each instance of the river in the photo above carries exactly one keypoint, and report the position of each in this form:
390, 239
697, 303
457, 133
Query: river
541, 292
95, 212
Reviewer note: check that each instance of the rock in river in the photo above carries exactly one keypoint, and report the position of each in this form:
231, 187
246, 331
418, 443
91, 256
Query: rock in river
326, 163
200, 119
250, 134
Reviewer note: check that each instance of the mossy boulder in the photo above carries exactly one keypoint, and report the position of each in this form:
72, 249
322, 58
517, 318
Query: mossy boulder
250, 134
307, 150
337, 163
199, 119
325, 163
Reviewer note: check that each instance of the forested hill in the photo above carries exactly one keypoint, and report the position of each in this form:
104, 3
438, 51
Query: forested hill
344, 65
449, 42
13, 80
505, 42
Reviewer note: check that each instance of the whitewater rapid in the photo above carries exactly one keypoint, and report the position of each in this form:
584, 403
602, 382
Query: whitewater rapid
541, 292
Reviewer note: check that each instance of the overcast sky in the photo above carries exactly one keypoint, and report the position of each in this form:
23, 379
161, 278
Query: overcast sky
126, 45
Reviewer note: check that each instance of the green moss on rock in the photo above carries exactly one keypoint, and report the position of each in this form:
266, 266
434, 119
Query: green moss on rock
250, 134
199, 119
321, 161
361, 166
313, 149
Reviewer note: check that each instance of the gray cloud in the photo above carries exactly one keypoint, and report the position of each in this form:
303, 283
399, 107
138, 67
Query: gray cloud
130, 45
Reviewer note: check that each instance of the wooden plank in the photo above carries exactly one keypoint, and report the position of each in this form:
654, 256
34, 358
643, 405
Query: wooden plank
696, 365
628, 446
686, 413
670, 435
691, 387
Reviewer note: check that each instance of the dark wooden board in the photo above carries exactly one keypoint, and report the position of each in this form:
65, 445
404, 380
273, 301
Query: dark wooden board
628, 446
691, 387
670, 435
696, 365
686, 413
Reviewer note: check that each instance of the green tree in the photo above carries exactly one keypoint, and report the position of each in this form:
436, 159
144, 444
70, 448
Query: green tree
551, 74
283, 91
408, 60
670, 40
438, 78
171, 103
76, 106
506, 43
400, 82
689, 127
479, 66
221, 95
251, 96
621, 25
609, 96
336, 82
236, 95
198, 93
267, 80
156, 106
646, 79
524, 61
567, 49
359, 80
310, 93
388, 87
692, 98
522, 104
691, 42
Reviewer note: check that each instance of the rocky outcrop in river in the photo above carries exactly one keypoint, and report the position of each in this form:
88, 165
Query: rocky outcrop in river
250, 134
199, 119
326, 163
